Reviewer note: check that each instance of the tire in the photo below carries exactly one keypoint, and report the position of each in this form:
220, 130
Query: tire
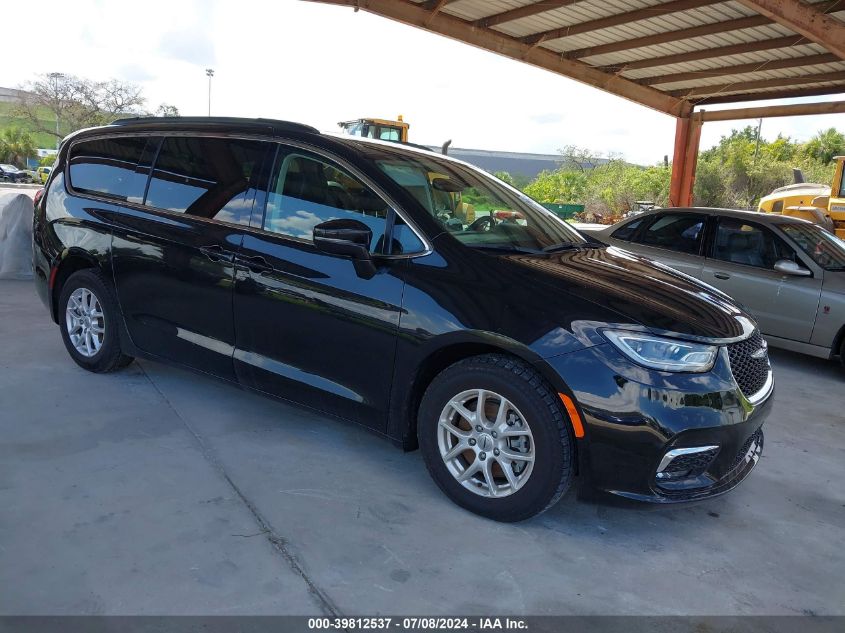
842, 352
530, 402
107, 355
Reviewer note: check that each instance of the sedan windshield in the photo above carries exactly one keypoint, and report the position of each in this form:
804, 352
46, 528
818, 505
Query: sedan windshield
827, 250
11, 168
477, 209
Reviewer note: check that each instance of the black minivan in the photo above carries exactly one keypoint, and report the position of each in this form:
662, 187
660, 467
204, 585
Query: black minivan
407, 292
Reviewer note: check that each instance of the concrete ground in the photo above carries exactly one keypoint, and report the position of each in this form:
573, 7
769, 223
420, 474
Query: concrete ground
158, 491
28, 189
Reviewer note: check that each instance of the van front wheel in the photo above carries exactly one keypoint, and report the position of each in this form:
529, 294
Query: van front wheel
494, 438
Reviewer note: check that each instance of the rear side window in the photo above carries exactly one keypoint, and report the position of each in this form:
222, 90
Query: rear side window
106, 167
213, 178
680, 232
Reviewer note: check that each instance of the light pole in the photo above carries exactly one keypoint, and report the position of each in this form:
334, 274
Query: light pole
56, 77
209, 72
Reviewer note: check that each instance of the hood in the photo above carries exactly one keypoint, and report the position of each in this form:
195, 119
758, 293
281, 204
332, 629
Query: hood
641, 291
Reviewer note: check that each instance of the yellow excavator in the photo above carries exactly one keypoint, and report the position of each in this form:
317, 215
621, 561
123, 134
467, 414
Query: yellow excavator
821, 204
446, 196
382, 129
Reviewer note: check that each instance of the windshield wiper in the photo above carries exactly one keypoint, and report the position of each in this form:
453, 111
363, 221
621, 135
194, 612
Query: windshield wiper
505, 248
564, 246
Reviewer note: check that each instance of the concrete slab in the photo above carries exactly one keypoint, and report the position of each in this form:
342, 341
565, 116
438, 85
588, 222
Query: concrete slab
167, 465
109, 505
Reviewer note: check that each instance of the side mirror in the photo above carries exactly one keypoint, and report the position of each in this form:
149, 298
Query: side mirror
347, 238
788, 267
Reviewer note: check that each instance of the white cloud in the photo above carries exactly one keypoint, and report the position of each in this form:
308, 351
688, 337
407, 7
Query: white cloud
322, 64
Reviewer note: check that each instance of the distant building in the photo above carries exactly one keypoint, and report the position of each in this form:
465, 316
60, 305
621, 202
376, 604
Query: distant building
515, 163
11, 95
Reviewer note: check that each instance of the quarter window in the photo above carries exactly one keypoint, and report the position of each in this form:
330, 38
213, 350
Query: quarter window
106, 167
739, 242
680, 232
213, 178
306, 190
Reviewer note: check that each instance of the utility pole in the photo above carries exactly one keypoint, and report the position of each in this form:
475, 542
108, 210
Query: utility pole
209, 72
757, 146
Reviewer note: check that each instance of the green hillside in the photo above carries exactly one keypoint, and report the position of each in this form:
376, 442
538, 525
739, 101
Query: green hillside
42, 139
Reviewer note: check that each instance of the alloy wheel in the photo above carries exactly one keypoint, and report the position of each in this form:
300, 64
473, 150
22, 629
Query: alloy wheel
86, 326
486, 443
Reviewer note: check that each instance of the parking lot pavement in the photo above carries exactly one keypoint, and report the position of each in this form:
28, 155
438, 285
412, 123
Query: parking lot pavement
27, 189
156, 490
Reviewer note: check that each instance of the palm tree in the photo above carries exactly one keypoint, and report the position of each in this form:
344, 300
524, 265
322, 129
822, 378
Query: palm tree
825, 145
16, 146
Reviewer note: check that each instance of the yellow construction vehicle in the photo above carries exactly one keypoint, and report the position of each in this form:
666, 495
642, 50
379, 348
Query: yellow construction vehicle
821, 204
447, 199
836, 203
382, 129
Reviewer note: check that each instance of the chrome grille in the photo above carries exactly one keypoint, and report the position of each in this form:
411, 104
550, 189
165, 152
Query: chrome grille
749, 372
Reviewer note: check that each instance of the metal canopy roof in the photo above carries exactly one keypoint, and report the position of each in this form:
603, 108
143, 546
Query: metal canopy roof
668, 55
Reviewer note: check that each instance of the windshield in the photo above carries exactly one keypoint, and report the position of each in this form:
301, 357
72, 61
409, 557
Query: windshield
8, 167
475, 208
827, 250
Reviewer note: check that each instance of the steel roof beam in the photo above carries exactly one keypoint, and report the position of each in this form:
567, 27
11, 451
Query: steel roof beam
616, 19
695, 31
766, 96
807, 19
670, 36
740, 69
689, 93
710, 53
795, 109
523, 12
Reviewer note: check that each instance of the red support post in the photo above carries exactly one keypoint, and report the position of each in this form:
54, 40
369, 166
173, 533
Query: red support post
685, 158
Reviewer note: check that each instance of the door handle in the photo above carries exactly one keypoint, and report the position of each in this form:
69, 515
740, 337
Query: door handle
217, 253
721, 275
256, 264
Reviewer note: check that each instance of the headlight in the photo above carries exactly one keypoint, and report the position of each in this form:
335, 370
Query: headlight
665, 354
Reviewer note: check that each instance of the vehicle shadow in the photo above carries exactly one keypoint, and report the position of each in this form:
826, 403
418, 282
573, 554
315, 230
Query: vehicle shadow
784, 360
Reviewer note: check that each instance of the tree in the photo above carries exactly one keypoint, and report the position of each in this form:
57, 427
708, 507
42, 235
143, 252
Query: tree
16, 146
504, 177
825, 145
48, 160
734, 174
167, 109
58, 104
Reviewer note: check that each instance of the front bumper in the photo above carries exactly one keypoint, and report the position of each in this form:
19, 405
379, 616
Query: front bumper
635, 416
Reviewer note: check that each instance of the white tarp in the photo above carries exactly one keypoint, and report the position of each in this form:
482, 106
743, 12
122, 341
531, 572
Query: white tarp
15, 236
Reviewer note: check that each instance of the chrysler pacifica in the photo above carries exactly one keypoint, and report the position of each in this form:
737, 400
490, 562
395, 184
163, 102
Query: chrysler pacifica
406, 292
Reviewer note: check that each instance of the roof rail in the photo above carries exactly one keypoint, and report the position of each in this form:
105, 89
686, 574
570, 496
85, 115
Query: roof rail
274, 124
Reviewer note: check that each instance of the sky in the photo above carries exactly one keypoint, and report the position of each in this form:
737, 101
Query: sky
320, 64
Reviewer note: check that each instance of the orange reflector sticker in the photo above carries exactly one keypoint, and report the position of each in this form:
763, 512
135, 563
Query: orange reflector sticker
574, 417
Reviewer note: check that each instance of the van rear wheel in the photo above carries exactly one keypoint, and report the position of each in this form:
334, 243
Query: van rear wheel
89, 322
494, 438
